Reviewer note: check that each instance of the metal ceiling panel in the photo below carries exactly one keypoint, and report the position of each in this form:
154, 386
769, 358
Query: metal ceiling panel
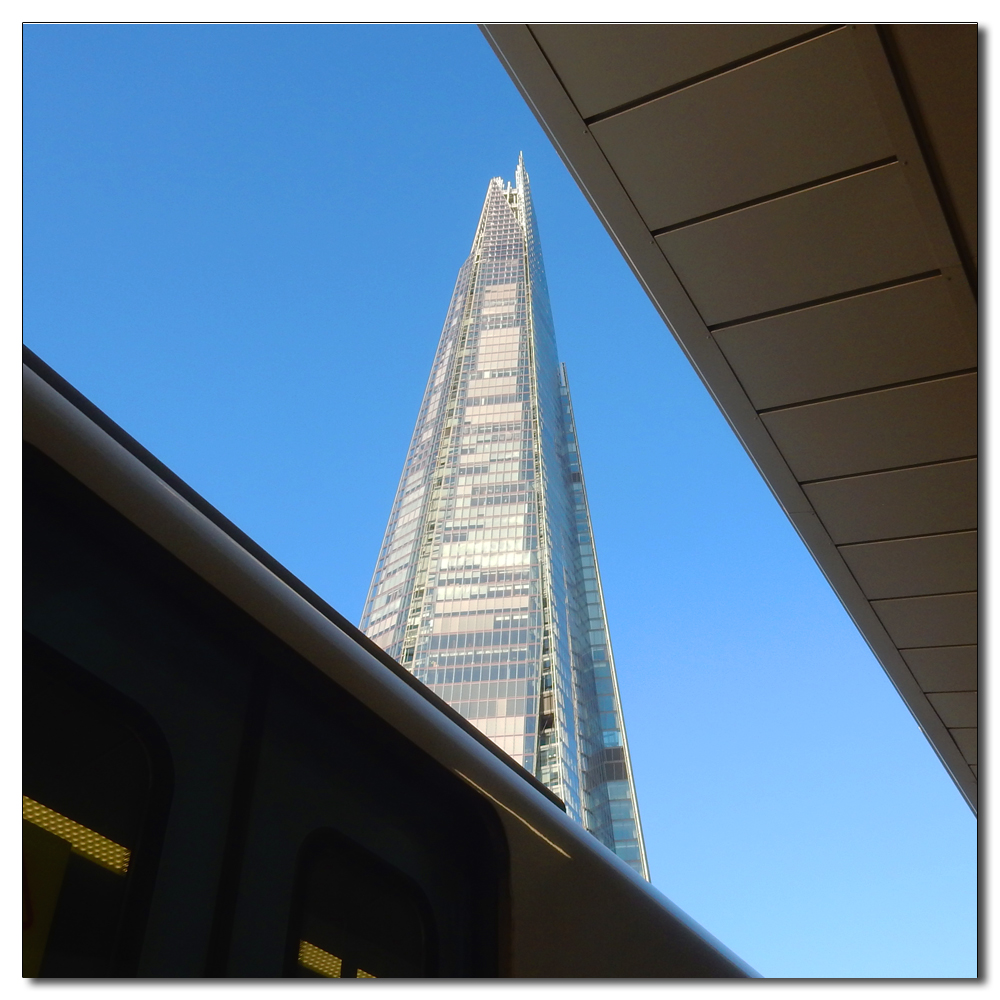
890, 428
893, 335
880, 505
939, 64
944, 668
943, 620
779, 119
607, 65
840, 237
912, 567
968, 742
958, 709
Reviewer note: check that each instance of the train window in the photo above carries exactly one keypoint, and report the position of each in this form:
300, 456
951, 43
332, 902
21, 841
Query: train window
86, 802
356, 917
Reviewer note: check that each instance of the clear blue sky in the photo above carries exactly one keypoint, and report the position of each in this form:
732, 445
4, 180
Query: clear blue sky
241, 242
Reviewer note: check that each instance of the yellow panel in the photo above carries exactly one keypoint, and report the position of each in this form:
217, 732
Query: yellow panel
84, 841
365, 975
319, 961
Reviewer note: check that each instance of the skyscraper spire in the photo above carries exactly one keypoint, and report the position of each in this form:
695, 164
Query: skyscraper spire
486, 586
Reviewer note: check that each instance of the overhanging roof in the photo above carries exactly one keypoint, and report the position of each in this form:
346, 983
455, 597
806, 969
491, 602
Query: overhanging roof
800, 204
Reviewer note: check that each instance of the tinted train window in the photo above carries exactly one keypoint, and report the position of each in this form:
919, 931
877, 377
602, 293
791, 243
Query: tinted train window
356, 917
87, 790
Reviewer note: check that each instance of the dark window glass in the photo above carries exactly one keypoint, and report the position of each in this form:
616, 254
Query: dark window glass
87, 790
356, 916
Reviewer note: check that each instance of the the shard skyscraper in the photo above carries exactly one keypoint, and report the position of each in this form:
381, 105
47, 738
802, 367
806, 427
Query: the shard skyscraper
487, 586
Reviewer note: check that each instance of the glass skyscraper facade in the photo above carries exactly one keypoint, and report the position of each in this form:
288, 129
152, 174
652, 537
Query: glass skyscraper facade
487, 586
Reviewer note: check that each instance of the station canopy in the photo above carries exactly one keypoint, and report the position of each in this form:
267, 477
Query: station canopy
799, 201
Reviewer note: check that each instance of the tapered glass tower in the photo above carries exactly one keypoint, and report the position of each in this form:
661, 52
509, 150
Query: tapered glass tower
486, 586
